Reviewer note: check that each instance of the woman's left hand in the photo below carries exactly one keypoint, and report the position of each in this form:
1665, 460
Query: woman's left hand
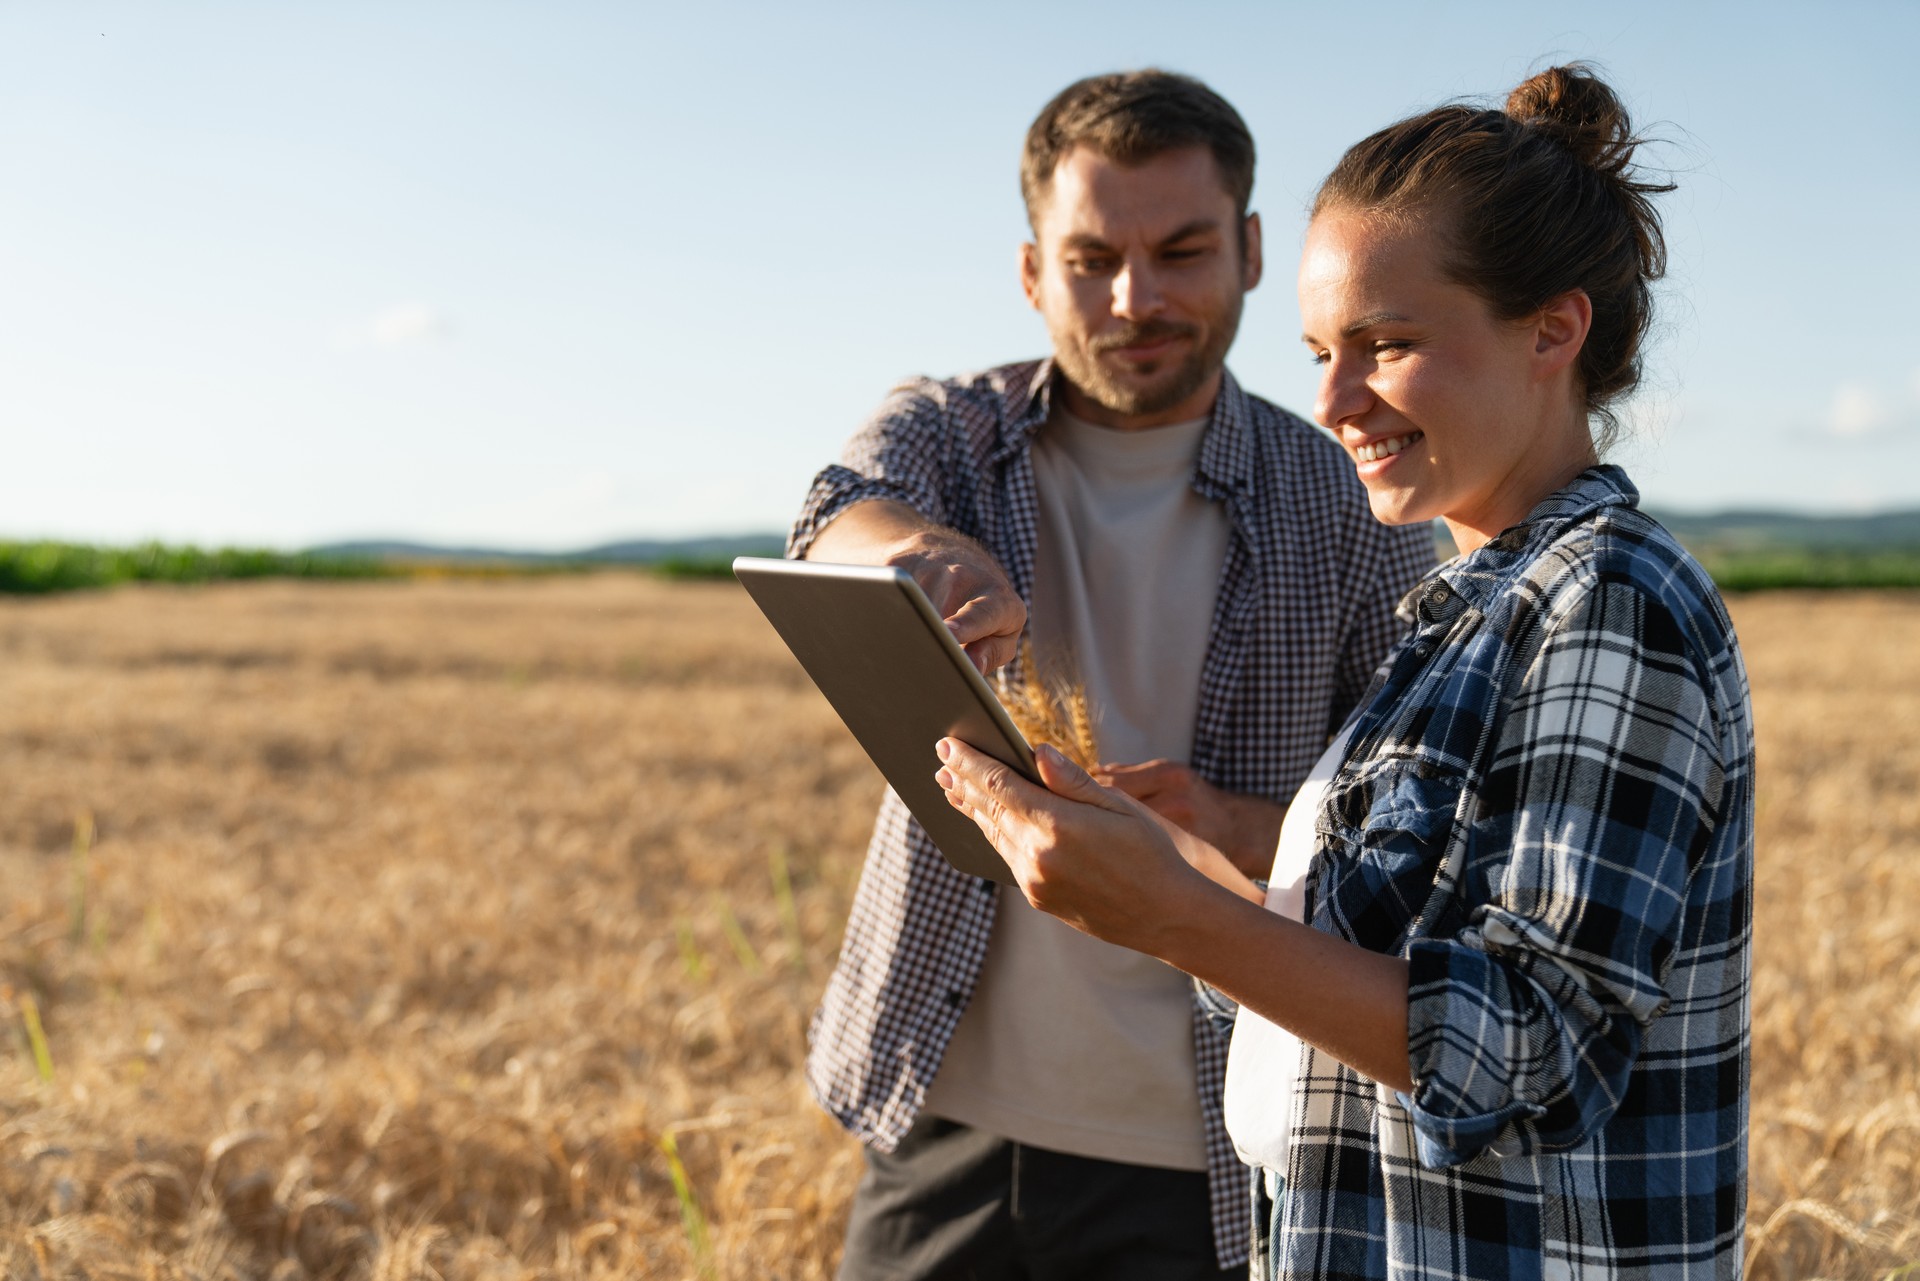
1093, 857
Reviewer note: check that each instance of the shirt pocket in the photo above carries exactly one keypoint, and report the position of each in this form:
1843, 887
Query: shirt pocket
1383, 837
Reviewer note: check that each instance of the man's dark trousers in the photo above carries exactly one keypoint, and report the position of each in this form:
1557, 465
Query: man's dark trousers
952, 1203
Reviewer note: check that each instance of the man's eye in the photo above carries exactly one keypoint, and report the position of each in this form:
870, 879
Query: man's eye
1089, 266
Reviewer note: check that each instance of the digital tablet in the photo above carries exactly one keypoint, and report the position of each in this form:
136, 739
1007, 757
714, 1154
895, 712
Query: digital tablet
873, 643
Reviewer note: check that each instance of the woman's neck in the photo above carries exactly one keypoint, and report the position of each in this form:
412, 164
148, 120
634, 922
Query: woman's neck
1565, 450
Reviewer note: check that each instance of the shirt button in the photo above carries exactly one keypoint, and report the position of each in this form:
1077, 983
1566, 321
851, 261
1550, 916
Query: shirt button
956, 999
984, 885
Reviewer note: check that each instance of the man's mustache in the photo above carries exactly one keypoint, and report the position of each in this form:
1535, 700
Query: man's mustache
1144, 332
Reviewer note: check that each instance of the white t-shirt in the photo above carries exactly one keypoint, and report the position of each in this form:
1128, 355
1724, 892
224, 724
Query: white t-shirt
1069, 1043
1264, 1060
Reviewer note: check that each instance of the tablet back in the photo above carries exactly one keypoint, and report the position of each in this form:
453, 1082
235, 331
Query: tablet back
873, 644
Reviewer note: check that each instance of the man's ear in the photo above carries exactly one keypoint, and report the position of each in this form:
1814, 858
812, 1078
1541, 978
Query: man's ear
1560, 331
1030, 273
1254, 264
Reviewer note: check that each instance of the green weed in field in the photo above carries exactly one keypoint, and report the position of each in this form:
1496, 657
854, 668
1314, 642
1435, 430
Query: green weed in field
692, 1221
36, 1037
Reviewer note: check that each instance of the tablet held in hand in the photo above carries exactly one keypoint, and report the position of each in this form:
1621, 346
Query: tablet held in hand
884, 659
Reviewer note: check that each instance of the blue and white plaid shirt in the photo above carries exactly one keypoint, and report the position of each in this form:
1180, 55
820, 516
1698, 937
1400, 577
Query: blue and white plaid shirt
1547, 808
1305, 611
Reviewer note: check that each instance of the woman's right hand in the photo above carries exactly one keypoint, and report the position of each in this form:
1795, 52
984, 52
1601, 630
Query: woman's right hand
1094, 857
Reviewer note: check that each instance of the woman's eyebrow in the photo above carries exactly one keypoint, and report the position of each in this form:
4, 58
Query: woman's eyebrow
1361, 325
1368, 321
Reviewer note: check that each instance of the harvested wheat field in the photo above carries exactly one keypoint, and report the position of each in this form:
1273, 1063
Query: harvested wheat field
469, 929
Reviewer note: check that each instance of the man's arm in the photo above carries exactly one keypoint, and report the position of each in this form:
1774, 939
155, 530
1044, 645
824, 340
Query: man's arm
891, 500
962, 579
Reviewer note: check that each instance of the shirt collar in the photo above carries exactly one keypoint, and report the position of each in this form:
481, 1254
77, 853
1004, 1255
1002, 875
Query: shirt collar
1225, 464
1471, 581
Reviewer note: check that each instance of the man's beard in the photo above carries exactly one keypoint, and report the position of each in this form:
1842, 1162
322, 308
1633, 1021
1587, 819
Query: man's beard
1085, 371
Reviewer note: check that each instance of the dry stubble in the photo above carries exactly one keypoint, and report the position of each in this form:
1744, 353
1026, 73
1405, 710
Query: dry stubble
422, 921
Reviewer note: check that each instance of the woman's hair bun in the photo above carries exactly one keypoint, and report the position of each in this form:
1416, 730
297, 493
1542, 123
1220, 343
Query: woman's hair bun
1575, 107
1535, 200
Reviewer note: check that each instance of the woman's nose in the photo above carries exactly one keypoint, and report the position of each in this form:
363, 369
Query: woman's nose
1343, 392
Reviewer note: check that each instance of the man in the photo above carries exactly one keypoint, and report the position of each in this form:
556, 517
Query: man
1035, 1102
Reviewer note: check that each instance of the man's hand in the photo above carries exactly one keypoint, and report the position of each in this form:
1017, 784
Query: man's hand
962, 579
1244, 828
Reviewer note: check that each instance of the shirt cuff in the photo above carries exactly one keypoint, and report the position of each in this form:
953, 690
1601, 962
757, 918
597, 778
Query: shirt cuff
834, 490
1453, 1039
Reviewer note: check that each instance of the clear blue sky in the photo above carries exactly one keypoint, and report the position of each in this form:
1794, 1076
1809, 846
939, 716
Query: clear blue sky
545, 274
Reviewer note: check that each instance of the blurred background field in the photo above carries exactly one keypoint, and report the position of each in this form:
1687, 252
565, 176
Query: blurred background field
468, 928
1745, 551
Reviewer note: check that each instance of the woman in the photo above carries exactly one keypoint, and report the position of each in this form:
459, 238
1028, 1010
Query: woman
1494, 1007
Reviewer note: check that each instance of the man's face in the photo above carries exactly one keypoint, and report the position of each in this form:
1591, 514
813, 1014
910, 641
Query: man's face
1139, 273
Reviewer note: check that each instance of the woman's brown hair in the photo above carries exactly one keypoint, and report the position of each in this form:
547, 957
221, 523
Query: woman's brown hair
1535, 201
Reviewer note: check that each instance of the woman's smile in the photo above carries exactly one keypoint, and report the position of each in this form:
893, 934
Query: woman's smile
1375, 450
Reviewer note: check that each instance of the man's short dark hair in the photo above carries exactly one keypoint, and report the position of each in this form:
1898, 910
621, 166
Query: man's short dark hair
1129, 117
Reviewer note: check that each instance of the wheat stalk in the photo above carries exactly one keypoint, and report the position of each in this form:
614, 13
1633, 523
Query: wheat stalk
1048, 704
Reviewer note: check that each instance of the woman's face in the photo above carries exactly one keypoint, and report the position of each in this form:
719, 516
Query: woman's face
1446, 410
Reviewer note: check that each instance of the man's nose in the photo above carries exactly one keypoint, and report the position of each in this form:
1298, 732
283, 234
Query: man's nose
1136, 294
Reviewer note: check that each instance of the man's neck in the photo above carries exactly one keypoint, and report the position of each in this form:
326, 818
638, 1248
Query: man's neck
1084, 407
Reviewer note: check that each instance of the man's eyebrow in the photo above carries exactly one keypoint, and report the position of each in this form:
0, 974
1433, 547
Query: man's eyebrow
1363, 323
1083, 240
1198, 227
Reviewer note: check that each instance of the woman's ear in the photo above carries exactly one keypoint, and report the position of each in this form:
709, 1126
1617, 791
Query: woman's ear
1560, 331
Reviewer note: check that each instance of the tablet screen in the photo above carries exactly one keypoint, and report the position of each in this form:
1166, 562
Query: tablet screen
878, 651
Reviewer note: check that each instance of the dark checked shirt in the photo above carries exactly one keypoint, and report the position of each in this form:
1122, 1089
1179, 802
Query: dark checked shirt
1547, 809
1303, 614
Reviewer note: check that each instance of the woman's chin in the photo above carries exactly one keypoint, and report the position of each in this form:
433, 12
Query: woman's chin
1396, 505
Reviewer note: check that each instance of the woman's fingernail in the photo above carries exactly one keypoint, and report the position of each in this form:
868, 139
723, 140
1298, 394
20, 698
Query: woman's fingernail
944, 779
943, 749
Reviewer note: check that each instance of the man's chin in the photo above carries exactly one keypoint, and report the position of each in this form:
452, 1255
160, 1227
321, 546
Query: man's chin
1137, 399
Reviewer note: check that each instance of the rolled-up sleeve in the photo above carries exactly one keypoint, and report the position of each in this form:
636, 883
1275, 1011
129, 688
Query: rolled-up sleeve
902, 454
1605, 788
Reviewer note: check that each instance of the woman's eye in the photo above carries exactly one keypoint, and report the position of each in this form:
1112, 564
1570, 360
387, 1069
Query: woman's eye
1386, 345
1319, 357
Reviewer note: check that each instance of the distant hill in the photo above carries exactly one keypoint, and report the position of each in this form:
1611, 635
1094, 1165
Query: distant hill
632, 552
1744, 531
1706, 535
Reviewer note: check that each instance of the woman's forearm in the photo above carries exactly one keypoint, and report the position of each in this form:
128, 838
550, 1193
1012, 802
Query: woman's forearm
1344, 1000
